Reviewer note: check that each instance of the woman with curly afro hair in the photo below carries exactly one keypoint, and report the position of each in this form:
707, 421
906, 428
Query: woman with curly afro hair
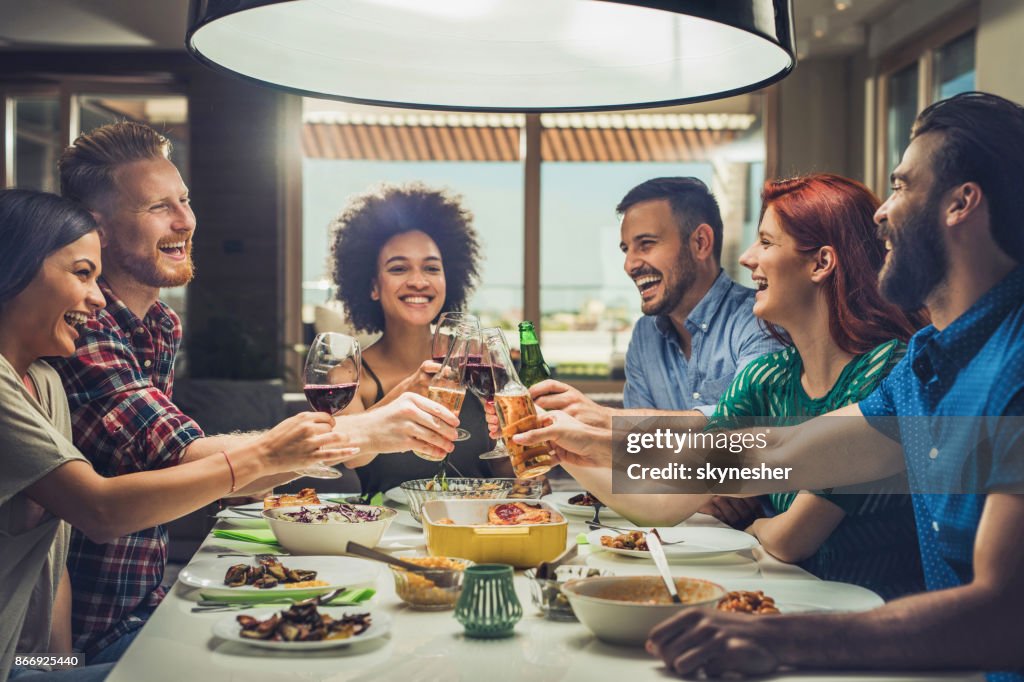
401, 255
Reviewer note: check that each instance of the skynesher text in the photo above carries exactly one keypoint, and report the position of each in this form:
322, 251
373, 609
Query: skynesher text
708, 472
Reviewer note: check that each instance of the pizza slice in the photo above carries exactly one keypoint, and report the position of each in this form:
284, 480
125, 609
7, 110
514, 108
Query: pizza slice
517, 513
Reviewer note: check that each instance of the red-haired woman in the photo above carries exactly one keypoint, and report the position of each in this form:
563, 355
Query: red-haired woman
816, 263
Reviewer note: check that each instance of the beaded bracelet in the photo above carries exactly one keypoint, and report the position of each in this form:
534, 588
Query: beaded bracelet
230, 468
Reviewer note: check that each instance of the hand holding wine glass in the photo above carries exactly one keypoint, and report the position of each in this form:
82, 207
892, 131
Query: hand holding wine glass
333, 367
447, 330
448, 386
480, 380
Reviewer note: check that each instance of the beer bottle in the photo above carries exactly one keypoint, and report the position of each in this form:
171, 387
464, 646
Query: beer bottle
533, 369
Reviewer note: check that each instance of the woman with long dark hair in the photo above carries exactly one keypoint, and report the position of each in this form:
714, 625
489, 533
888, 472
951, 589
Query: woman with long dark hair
49, 262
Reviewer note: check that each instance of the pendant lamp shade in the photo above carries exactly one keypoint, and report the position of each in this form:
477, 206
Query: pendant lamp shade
500, 55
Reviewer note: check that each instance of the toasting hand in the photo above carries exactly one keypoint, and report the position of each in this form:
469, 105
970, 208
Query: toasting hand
554, 395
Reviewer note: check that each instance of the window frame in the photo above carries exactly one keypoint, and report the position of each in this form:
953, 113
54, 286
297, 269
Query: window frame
67, 90
922, 51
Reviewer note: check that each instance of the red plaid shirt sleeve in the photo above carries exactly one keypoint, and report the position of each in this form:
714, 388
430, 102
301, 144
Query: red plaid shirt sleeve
123, 420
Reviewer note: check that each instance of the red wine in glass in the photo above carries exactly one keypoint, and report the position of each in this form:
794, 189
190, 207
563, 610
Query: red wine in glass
332, 370
480, 380
471, 358
330, 398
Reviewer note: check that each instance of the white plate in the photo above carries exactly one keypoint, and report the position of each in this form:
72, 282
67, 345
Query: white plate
337, 571
229, 629
809, 596
717, 569
698, 541
398, 496
561, 501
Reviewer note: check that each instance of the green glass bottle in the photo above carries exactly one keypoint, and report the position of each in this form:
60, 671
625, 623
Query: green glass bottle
533, 369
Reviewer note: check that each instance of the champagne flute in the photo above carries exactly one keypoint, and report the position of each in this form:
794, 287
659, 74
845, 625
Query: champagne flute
332, 371
480, 380
516, 411
448, 386
445, 332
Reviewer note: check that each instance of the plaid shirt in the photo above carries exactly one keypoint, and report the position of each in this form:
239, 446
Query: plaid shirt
119, 389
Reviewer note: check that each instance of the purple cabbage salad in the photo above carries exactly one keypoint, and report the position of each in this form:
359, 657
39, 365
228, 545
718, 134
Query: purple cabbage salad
333, 513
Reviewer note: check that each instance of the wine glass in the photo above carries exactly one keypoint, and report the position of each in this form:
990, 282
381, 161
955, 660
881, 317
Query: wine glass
445, 332
448, 386
333, 366
480, 380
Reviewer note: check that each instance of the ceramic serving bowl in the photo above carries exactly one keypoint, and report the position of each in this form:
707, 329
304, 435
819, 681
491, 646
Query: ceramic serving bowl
328, 528
623, 609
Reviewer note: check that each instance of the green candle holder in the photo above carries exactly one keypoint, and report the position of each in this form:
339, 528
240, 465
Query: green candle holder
488, 607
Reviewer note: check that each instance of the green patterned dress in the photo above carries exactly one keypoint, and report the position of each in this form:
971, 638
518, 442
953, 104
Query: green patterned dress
875, 545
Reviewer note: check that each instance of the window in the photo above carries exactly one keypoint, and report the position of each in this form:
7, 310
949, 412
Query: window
586, 163
347, 152
37, 142
43, 124
938, 66
588, 304
954, 67
902, 111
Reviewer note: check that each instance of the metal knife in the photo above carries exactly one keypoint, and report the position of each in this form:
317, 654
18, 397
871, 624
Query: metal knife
661, 561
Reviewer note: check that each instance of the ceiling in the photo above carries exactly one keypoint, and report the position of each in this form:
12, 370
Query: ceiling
821, 28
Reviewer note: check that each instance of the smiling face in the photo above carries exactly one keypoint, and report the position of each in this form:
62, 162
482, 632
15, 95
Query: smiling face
148, 225
781, 273
410, 281
909, 222
59, 299
658, 259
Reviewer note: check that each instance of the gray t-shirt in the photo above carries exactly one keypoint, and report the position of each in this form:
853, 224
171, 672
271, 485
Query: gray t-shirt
35, 439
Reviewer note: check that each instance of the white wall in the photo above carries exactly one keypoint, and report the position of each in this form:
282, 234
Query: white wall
1000, 55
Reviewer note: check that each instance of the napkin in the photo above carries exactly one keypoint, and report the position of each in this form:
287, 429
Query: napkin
259, 535
581, 539
354, 595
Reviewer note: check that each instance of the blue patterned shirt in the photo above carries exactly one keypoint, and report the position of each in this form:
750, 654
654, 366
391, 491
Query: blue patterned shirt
974, 367
725, 336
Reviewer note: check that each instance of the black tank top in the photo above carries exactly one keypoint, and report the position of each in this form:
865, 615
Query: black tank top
387, 471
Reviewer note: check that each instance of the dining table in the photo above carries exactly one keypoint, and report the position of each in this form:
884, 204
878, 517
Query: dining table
178, 645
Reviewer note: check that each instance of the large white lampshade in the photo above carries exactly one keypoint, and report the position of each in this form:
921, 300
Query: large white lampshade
500, 55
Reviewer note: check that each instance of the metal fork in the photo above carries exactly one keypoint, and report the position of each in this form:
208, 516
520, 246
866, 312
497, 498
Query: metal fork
630, 530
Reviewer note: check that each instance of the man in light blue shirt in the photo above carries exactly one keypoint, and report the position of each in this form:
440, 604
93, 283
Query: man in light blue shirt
698, 328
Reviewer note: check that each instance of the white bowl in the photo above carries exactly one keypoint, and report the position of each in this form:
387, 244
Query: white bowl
614, 608
331, 537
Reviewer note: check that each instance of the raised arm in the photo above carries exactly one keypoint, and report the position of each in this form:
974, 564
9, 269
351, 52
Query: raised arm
105, 508
837, 449
555, 395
